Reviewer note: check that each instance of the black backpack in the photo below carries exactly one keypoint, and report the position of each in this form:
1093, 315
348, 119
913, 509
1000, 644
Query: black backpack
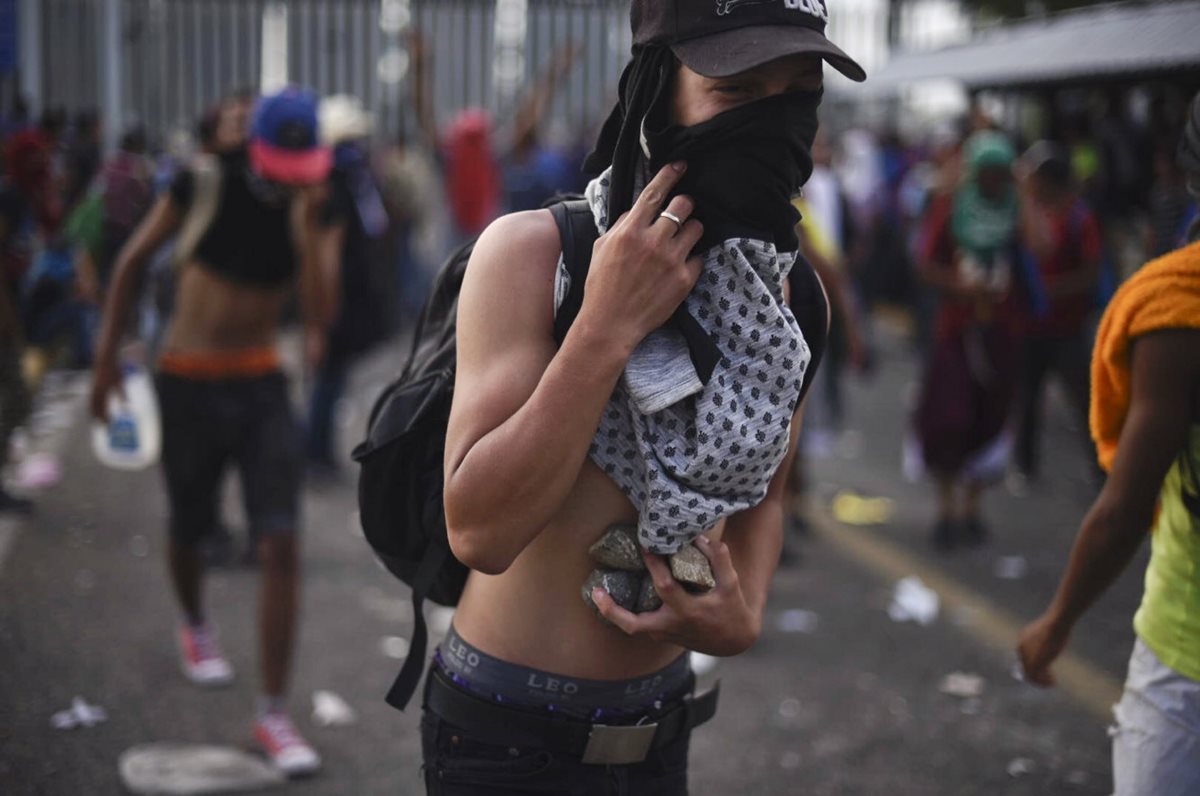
400, 476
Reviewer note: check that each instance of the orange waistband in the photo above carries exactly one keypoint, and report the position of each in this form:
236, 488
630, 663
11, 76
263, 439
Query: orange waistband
240, 364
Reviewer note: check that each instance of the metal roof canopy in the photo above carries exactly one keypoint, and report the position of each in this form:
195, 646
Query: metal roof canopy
1107, 42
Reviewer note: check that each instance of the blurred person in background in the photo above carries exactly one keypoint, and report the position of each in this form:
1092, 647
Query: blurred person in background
825, 235
828, 240
1171, 208
16, 244
532, 171
355, 217
968, 254
936, 175
126, 191
53, 127
412, 193
250, 234
54, 323
103, 220
83, 156
491, 168
1061, 235
1145, 419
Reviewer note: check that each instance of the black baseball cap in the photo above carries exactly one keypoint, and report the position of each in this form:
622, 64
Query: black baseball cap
719, 38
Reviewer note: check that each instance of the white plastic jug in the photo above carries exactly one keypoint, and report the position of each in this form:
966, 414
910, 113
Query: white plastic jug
132, 438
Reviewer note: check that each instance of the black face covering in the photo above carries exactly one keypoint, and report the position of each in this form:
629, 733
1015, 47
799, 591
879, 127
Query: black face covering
744, 165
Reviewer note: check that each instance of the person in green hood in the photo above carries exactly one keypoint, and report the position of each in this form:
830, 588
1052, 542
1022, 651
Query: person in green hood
967, 254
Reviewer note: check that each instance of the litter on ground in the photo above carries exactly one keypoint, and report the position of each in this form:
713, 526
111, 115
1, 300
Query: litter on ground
913, 601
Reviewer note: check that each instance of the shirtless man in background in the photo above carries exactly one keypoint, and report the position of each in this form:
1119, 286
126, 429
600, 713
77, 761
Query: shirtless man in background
222, 393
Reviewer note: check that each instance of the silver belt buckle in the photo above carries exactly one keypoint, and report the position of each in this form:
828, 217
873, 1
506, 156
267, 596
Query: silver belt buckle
616, 746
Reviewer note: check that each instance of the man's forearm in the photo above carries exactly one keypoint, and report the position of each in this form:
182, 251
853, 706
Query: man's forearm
755, 539
1106, 544
513, 480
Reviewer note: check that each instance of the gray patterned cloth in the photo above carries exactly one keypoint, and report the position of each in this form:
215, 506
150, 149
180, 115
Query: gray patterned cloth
688, 454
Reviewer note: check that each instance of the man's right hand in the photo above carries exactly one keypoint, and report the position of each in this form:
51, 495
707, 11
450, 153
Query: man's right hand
642, 267
106, 378
1040, 644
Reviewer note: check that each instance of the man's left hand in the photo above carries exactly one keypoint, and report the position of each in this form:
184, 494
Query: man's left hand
717, 622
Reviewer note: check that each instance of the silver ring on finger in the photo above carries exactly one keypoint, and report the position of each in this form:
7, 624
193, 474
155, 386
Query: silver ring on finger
667, 214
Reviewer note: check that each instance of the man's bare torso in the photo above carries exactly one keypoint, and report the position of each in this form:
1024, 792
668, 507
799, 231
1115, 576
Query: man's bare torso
214, 314
534, 613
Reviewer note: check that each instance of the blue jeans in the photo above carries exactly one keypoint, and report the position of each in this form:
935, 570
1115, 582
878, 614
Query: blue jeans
460, 763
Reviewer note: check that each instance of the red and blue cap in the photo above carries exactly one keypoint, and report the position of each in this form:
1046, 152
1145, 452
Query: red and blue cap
285, 141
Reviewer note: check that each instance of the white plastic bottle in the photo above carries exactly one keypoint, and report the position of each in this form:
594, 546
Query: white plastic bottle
132, 438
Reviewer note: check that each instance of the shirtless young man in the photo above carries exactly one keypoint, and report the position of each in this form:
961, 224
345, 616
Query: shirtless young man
222, 394
527, 674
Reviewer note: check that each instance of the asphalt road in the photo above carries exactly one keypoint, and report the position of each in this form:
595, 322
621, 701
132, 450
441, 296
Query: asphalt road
836, 698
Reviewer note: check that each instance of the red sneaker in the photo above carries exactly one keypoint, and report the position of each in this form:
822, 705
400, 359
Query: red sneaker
290, 753
201, 658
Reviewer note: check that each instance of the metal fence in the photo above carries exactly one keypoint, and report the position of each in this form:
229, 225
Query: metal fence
177, 57
170, 59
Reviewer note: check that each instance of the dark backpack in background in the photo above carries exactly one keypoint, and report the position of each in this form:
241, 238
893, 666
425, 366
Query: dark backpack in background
400, 477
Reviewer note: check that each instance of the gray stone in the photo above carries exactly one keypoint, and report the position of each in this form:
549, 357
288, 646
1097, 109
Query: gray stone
622, 586
175, 768
691, 568
618, 549
648, 599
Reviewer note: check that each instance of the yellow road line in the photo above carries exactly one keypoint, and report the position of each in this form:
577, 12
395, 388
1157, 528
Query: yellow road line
1091, 688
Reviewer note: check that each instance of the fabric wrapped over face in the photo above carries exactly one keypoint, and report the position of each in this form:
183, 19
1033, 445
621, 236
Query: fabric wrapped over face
745, 164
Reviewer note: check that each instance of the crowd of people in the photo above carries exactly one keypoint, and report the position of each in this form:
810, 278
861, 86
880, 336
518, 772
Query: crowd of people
270, 212
1003, 252
673, 393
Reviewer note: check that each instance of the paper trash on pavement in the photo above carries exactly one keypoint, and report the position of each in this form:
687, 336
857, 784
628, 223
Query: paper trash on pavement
394, 647
850, 508
913, 601
80, 714
797, 620
330, 710
1020, 766
175, 768
1011, 567
962, 684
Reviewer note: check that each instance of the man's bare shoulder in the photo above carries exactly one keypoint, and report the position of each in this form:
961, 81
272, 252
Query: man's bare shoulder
517, 246
507, 296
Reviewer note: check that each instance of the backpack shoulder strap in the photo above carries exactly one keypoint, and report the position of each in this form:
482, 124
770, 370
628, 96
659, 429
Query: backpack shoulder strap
206, 195
398, 696
577, 232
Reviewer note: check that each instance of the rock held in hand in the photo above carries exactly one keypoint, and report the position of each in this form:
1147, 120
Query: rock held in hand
691, 568
648, 599
622, 586
618, 549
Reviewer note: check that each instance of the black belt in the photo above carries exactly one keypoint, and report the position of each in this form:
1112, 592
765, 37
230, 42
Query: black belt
593, 743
